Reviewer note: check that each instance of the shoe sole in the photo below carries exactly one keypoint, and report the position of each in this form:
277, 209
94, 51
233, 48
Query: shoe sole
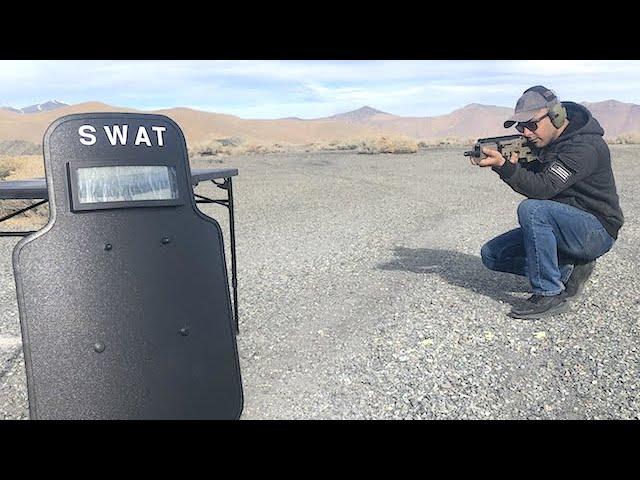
562, 308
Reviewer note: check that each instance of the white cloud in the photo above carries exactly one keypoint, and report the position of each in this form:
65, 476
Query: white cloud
557, 68
267, 88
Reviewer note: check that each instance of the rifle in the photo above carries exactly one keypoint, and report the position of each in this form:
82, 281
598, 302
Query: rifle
506, 146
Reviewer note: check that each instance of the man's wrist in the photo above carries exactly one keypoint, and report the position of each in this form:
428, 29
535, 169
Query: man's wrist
505, 170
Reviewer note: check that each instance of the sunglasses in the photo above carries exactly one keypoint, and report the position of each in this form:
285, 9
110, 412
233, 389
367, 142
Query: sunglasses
531, 125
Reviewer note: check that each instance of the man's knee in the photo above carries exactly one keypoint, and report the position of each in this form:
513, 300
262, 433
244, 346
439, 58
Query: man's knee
529, 209
488, 256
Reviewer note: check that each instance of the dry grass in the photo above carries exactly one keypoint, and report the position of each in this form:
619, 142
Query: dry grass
446, 142
212, 148
335, 145
388, 144
626, 139
371, 145
5, 171
19, 147
235, 146
21, 167
29, 221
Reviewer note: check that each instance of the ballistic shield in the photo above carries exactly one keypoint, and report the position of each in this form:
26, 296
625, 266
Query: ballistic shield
123, 296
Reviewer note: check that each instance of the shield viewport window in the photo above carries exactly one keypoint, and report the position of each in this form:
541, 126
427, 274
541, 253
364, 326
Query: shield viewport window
126, 184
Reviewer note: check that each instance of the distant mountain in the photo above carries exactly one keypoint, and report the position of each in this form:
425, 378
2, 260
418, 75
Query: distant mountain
616, 118
198, 126
361, 115
477, 120
473, 120
466, 123
10, 109
40, 107
44, 107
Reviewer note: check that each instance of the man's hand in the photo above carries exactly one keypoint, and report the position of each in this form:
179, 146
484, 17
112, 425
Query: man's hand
494, 158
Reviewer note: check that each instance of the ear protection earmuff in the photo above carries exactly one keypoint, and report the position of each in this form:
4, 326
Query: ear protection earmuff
557, 113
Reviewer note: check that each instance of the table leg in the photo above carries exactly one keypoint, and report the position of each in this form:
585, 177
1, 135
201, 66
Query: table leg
234, 281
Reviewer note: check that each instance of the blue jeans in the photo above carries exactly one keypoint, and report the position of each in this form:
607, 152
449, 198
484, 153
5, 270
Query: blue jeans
552, 237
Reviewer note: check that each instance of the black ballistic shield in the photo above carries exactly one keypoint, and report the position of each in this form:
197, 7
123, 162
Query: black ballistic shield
123, 296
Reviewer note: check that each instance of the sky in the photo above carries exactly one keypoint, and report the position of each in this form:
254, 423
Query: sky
312, 88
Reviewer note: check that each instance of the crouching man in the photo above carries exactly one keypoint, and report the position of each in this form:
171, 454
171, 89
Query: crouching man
572, 213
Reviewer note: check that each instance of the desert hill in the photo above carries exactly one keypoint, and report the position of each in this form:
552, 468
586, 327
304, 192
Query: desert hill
198, 126
363, 115
471, 121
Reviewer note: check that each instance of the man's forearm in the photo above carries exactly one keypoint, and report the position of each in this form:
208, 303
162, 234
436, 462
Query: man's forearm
506, 172
560, 171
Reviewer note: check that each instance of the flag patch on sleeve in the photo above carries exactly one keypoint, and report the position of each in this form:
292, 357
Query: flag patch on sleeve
560, 171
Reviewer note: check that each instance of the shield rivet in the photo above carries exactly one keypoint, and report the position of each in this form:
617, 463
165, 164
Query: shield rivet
99, 347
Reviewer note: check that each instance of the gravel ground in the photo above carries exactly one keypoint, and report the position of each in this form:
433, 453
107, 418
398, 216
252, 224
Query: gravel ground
362, 296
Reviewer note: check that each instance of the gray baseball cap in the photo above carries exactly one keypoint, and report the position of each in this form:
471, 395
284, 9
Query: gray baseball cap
532, 100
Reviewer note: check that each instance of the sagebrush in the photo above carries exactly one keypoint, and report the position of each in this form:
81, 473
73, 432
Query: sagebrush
388, 144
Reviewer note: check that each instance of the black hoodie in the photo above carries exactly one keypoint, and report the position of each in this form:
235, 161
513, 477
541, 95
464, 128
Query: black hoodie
574, 169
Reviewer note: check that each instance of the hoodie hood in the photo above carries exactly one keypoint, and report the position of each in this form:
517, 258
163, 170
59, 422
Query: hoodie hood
581, 122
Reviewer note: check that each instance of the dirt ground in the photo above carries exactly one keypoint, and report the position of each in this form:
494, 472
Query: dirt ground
362, 296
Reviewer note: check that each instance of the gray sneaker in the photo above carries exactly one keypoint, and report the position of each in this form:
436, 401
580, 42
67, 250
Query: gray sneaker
578, 279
